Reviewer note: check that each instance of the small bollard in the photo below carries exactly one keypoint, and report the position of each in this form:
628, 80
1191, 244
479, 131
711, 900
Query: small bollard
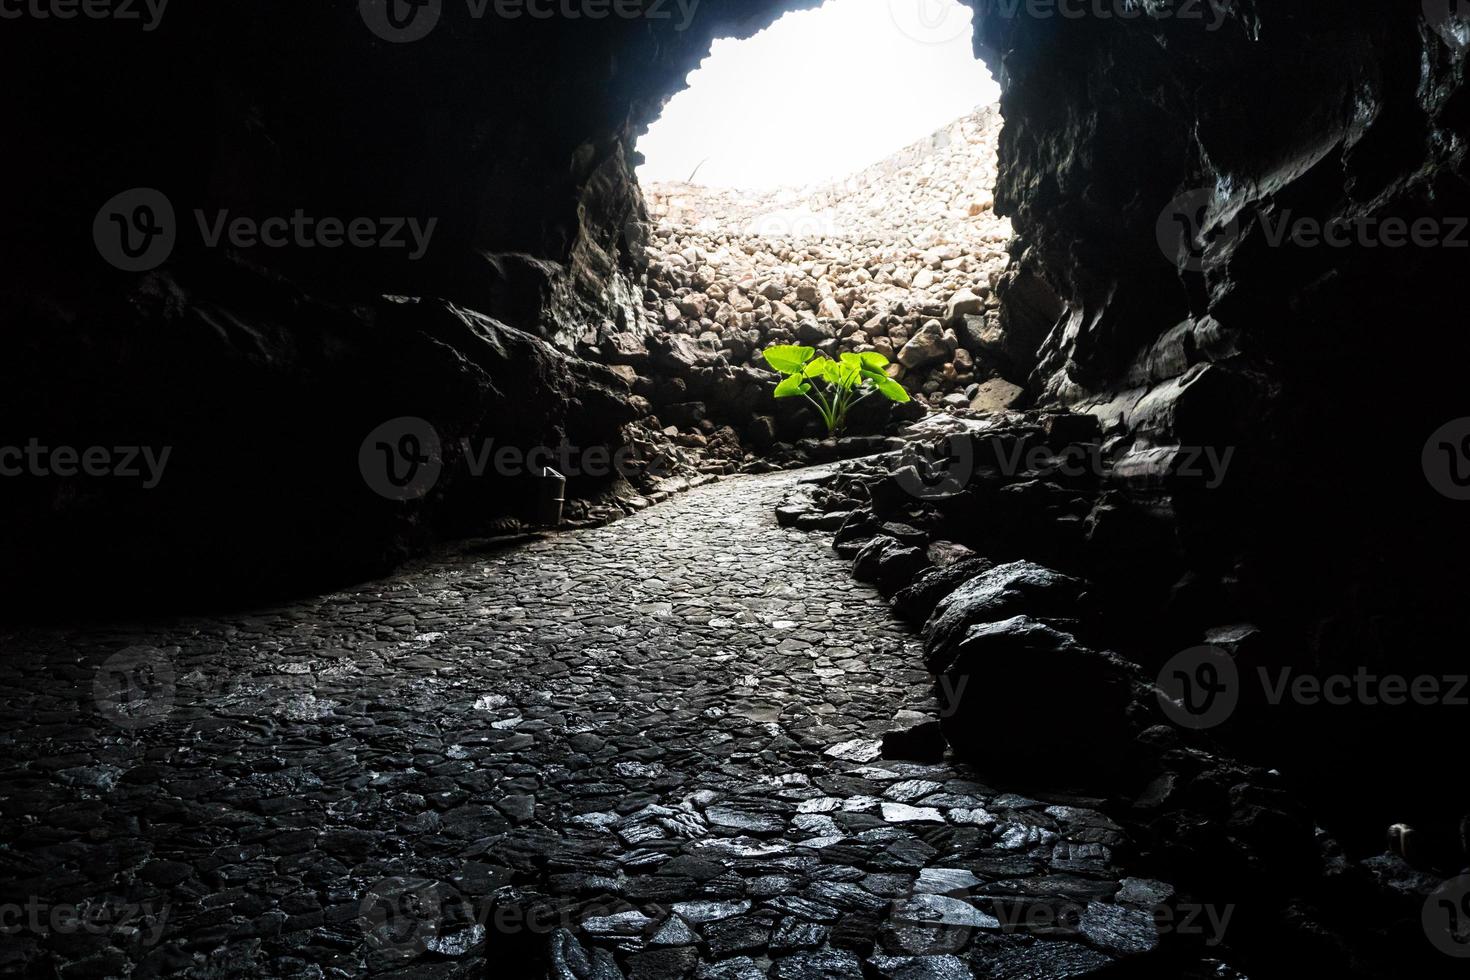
551, 497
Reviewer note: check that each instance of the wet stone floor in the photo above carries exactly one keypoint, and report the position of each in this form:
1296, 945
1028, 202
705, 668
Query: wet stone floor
661, 735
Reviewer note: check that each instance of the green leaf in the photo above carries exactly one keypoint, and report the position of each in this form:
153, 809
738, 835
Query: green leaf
787, 358
791, 386
820, 368
853, 359
876, 376
873, 359
892, 390
845, 375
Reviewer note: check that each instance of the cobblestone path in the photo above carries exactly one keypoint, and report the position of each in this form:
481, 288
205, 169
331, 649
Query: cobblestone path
665, 728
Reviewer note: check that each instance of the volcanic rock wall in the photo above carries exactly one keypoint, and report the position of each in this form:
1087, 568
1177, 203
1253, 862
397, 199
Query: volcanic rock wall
264, 354
1251, 221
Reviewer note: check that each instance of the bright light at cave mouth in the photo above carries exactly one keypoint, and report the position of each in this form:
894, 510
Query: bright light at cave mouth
819, 95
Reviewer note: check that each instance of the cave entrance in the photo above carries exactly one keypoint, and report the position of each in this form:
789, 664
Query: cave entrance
829, 181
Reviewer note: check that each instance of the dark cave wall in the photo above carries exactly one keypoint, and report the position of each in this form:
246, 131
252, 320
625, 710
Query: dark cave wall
515, 135
1122, 130
264, 368
1324, 370
1119, 129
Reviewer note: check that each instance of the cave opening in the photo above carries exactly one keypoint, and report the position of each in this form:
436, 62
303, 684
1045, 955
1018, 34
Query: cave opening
864, 223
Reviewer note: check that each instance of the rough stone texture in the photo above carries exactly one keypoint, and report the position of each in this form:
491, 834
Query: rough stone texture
1145, 164
271, 413
633, 732
1030, 691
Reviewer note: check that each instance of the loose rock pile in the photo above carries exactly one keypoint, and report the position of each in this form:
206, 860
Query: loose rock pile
901, 259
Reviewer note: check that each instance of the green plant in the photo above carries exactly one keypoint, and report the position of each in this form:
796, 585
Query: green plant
833, 386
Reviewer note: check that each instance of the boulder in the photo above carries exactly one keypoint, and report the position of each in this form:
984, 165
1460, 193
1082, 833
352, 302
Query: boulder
998, 593
888, 563
918, 740
625, 348
1022, 697
996, 395
916, 601
961, 303
926, 347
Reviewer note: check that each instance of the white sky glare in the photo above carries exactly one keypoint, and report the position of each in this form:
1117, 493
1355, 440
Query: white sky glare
819, 94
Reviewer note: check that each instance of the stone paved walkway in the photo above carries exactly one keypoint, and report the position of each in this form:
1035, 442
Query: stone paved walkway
666, 727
